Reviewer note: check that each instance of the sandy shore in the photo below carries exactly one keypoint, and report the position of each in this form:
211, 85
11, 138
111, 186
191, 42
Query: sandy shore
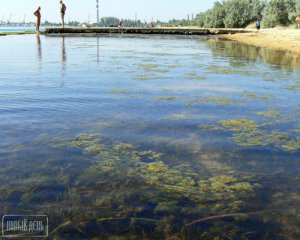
279, 39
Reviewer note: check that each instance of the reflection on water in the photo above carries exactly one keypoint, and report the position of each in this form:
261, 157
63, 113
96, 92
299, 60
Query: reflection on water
232, 48
39, 47
63, 61
98, 49
63, 51
165, 138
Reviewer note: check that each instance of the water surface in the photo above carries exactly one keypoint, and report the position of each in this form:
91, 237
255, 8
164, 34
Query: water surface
150, 137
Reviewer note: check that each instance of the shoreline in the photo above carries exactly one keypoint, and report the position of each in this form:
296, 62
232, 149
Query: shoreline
281, 39
287, 40
161, 31
17, 33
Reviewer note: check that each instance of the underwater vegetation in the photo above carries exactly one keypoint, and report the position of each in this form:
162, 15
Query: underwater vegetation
125, 92
139, 184
151, 67
247, 132
220, 101
217, 100
256, 96
194, 76
228, 70
166, 98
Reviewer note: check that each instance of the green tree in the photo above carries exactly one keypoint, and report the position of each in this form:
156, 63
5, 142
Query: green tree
278, 12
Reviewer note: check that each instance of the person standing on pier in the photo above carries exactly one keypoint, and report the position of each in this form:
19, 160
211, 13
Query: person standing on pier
38, 15
63, 9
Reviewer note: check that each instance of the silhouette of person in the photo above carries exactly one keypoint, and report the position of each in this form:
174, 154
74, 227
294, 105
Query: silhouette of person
38, 15
63, 9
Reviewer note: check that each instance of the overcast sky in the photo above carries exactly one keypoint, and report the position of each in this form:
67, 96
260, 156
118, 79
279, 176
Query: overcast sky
81, 10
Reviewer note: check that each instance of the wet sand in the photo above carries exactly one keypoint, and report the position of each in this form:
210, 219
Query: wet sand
279, 39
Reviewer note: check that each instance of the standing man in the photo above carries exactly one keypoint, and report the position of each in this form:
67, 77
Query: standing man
38, 15
297, 20
63, 9
258, 25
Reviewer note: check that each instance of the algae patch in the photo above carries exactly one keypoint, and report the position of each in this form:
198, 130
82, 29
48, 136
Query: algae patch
166, 98
257, 97
152, 68
194, 76
246, 132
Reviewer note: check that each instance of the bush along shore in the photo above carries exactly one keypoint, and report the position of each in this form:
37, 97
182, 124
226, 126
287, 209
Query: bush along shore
241, 13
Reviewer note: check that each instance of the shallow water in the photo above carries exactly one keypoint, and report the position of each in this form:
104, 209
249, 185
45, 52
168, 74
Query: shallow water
141, 136
17, 29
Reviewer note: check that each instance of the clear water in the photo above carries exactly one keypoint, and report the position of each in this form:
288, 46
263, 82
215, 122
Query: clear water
117, 137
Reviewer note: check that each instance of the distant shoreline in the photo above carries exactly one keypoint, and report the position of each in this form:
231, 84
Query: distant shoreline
156, 30
275, 38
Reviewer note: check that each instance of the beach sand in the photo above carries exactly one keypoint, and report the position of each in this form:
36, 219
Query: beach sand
279, 39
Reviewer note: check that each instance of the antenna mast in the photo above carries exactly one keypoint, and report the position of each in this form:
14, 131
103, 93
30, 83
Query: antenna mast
97, 9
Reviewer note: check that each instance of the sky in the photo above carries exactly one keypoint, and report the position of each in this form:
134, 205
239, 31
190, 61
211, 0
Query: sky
83, 10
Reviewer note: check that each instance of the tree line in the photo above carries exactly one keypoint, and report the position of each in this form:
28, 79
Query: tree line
241, 13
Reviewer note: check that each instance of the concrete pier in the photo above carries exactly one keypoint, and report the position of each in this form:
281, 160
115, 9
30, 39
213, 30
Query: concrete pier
166, 31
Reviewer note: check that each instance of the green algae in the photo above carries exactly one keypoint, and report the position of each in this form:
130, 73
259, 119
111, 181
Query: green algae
181, 181
239, 125
151, 67
248, 133
166, 98
293, 145
271, 113
229, 71
295, 86
194, 76
145, 77
124, 92
220, 101
138, 185
174, 66
257, 97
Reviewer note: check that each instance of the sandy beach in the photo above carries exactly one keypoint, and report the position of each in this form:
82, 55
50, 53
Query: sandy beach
279, 39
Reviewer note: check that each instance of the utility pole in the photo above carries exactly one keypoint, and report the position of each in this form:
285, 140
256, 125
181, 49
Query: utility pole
97, 9
10, 16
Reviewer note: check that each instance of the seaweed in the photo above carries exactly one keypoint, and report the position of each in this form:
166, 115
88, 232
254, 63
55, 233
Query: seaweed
222, 70
166, 98
194, 76
248, 133
152, 68
257, 97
